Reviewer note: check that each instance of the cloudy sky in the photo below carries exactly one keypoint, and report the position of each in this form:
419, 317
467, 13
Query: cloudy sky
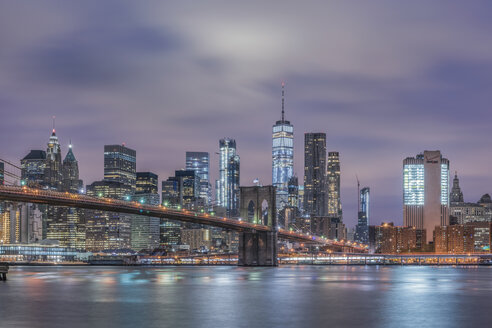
384, 80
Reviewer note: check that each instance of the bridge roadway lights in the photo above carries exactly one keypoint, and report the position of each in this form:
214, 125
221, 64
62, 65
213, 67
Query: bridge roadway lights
257, 248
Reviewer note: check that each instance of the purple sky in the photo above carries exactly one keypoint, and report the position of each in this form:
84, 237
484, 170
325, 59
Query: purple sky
384, 80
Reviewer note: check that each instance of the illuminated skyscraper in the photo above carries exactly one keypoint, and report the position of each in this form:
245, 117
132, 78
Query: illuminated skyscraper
362, 228
315, 174
199, 162
227, 187
32, 168
53, 170
426, 191
120, 165
333, 185
282, 157
71, 181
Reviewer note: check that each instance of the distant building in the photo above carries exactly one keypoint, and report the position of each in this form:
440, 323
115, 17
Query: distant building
315, 200
53, 174
454, 239
470, 212
389, 239
182, 190
227, 187
197, 239
108, 230
32, 168
481, 235
145, 229
333, 185
200, 163
426, 191
456, 196
120, 166
362, 228
70, 171
282, 157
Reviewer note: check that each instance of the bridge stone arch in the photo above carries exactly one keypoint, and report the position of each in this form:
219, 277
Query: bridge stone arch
251, 205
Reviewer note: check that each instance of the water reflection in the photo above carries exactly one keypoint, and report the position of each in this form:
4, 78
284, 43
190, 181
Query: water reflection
297, 296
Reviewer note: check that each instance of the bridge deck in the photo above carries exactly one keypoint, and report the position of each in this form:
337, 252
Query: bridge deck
30, 195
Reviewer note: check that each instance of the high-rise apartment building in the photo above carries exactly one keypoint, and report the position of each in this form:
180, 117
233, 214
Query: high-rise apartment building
426, 191
362, 228
200, 163
282, 157
227, 187
120, 165
334, 208
315, 199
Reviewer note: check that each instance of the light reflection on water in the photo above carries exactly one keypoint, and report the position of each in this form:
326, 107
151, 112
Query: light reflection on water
295, 296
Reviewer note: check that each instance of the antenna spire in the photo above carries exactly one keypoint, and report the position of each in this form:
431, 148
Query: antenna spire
283, 111
53, 117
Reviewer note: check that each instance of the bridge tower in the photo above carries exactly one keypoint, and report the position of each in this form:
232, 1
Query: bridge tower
258, 248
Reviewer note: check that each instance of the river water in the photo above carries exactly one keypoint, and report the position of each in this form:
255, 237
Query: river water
288, 296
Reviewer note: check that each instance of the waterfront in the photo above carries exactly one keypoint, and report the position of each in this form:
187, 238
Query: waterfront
289, 296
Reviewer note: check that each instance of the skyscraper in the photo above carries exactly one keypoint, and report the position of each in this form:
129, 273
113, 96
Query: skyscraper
315, 174
32, 168
282, 157
53, 175
426, 191
362, 228
456, 195
2, 174
227, 187
145, 229
333, 185
120, 165
70, 171
199, 162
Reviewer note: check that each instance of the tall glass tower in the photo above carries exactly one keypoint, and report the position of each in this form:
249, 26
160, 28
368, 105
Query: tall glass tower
282, 157
227, 187
199, 162
362, 228
426, 191
333, 185
120, 165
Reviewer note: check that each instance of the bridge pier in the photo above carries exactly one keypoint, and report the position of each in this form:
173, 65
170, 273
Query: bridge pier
257, 248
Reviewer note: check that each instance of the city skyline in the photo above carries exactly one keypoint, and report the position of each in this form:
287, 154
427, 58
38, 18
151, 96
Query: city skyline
373, 116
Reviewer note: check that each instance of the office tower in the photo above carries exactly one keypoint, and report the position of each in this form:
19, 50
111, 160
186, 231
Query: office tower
362, 228
32, 168
333, 185
456, 196
67, 224
120, 165
108, 230
146, 190
315, 174
71, 181
426, 191
53, 175
282, 157
145, 229
227, 187
199, 162
293, 192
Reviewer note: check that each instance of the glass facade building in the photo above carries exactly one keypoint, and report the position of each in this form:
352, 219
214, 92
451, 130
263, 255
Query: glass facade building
334, 207
120, 165
227, 187
199, 162
362, 228
426, 192
315, 199
282, 157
